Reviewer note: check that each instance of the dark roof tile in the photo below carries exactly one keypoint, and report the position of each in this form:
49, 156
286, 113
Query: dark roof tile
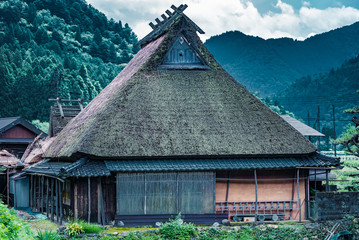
315, 160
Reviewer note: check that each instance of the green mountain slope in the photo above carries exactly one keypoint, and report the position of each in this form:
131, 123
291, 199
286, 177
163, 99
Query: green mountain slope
336, 87
269, 66
57, 48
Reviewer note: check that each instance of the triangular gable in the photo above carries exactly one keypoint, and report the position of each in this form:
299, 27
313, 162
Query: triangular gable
182, 55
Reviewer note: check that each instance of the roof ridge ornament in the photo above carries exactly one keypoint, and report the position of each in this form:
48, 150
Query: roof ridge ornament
177, 11
161, 26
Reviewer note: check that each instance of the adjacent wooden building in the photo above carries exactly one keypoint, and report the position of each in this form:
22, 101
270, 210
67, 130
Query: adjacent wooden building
16, 134
174, 132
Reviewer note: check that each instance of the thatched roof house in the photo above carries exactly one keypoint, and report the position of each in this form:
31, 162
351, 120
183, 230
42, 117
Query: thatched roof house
150, 110
168, 130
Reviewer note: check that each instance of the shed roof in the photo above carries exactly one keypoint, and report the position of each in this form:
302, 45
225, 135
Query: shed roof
304, 129
81, 168
147, 112
7, 123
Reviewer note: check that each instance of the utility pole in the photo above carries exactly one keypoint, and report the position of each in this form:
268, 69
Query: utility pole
318, 119
334, 133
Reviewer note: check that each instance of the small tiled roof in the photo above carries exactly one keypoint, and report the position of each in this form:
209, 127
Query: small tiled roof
47, 167
315, 160
85, 168
80, 168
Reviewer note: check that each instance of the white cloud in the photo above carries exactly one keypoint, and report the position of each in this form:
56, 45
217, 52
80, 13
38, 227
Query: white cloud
324, 20
216, 17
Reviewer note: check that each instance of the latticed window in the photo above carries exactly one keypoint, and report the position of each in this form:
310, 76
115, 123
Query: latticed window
165, 193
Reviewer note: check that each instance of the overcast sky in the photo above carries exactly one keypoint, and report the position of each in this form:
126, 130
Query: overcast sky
264, 18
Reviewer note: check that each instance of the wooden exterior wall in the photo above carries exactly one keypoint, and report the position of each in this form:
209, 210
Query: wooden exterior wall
165, 193
88, 207
18, 131
274, 185
46, 196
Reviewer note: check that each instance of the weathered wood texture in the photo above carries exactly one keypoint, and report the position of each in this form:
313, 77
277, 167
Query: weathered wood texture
46, 196
165, 193
18, 131
86, 202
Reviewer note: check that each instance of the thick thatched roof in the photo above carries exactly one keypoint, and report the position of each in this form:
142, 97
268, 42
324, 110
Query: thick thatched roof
34, 152
150, 112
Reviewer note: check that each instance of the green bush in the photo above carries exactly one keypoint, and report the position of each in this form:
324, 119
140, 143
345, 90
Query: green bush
74, 229
90, 228
177, 229
48, 235
12, 227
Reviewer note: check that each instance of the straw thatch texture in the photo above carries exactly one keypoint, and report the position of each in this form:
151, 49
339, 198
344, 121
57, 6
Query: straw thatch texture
146, 112
35, 151
7, 159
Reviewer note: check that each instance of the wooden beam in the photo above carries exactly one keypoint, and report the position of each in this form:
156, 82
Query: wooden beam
57, 200
256, 203
89, 198
42, 195
7, 186
227, 192
61, 212
98, 203
52, 199
35, 199
158, 21
164, 17
299, 202
326, 181
31, 190
307, 193
102, 205
152, 25
75, 202
177, 194
145, 197
117, 194
38, 201
169, 13
47, 197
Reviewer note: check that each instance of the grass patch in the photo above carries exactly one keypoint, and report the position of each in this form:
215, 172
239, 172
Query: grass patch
90, 228
43, 225
128, 229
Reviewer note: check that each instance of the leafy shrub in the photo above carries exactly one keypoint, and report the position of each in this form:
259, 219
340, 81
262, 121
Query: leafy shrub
74, 229
48, 235
12, 227
90, 228
177, 229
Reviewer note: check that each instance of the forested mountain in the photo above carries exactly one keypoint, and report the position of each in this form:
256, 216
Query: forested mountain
269, 66
51, 48
336, 87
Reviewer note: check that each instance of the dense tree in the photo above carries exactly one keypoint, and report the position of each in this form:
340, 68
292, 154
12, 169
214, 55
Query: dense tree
350, 137
50, 47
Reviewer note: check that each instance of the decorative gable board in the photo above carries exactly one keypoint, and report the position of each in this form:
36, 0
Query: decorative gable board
182, 56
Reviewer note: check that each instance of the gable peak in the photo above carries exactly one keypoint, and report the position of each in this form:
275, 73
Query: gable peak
161, 26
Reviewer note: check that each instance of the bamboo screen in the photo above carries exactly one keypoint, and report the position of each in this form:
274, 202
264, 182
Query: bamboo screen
165, 193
